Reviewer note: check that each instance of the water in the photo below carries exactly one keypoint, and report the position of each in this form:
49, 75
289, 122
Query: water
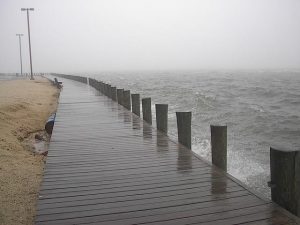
260, 108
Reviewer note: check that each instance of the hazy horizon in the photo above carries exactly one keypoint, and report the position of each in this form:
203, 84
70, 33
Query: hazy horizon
74, 36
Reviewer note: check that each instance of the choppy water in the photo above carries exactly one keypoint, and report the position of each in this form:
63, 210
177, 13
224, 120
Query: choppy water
260, 108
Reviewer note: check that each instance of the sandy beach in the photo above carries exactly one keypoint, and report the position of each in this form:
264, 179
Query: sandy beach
25, 106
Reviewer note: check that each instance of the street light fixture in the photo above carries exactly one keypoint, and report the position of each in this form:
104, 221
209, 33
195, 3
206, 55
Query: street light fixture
29, 9
20, 35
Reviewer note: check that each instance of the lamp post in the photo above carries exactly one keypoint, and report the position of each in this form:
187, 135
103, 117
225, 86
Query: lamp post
29, 9
20, 35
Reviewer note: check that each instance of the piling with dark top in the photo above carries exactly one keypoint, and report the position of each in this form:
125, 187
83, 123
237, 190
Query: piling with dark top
162, 117
106, 90
109, 90
126, 99
285, 179
136, 106
101, 87
120, 96
147, 111
184, 120
219, 146
98, 86
114, 93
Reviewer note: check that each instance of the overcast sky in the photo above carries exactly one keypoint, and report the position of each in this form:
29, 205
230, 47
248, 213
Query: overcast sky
97, 35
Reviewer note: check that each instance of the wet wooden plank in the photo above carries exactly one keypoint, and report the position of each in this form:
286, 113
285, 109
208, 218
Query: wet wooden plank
106, 166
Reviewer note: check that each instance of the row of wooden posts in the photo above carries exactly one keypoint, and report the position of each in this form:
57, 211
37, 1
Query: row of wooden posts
285, 165
72, 77
132, 102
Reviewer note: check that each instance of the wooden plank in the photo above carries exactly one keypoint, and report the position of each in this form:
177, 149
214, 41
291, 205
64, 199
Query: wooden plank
110, 209
209, 207
194, 216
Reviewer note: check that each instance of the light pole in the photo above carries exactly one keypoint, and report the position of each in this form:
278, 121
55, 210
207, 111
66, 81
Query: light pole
29, 9
20, 35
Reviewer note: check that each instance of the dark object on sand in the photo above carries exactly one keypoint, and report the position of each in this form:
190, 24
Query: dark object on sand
57, 83
38, 137
50, 123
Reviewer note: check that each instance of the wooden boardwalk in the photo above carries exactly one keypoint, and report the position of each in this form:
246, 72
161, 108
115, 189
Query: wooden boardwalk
105, 166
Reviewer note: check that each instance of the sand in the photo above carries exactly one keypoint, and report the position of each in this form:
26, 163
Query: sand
25, 106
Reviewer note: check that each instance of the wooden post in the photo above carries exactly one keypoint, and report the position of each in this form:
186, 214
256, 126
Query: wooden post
219, 146
147, 112
114, 93
109, 90
120, 96
285, 179
162, 117
90, 81
106, 89
101, 86
136, 107
126, 98
184, 129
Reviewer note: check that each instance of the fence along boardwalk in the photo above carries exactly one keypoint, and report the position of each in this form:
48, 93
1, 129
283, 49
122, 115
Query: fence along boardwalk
106, 166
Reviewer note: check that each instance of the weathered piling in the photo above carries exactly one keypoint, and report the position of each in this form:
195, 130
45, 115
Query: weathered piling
136, 107
184, 129
126, 99
147, 111
219, 146
76, 78
106, 90
162, 117
98, 86
114, 93
285, 179
120, 96
101, 87
109, 90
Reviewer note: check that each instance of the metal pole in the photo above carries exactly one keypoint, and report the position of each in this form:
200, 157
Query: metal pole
31, 74
28, 24
20, 45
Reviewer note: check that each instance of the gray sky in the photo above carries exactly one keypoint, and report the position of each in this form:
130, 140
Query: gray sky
96, 35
